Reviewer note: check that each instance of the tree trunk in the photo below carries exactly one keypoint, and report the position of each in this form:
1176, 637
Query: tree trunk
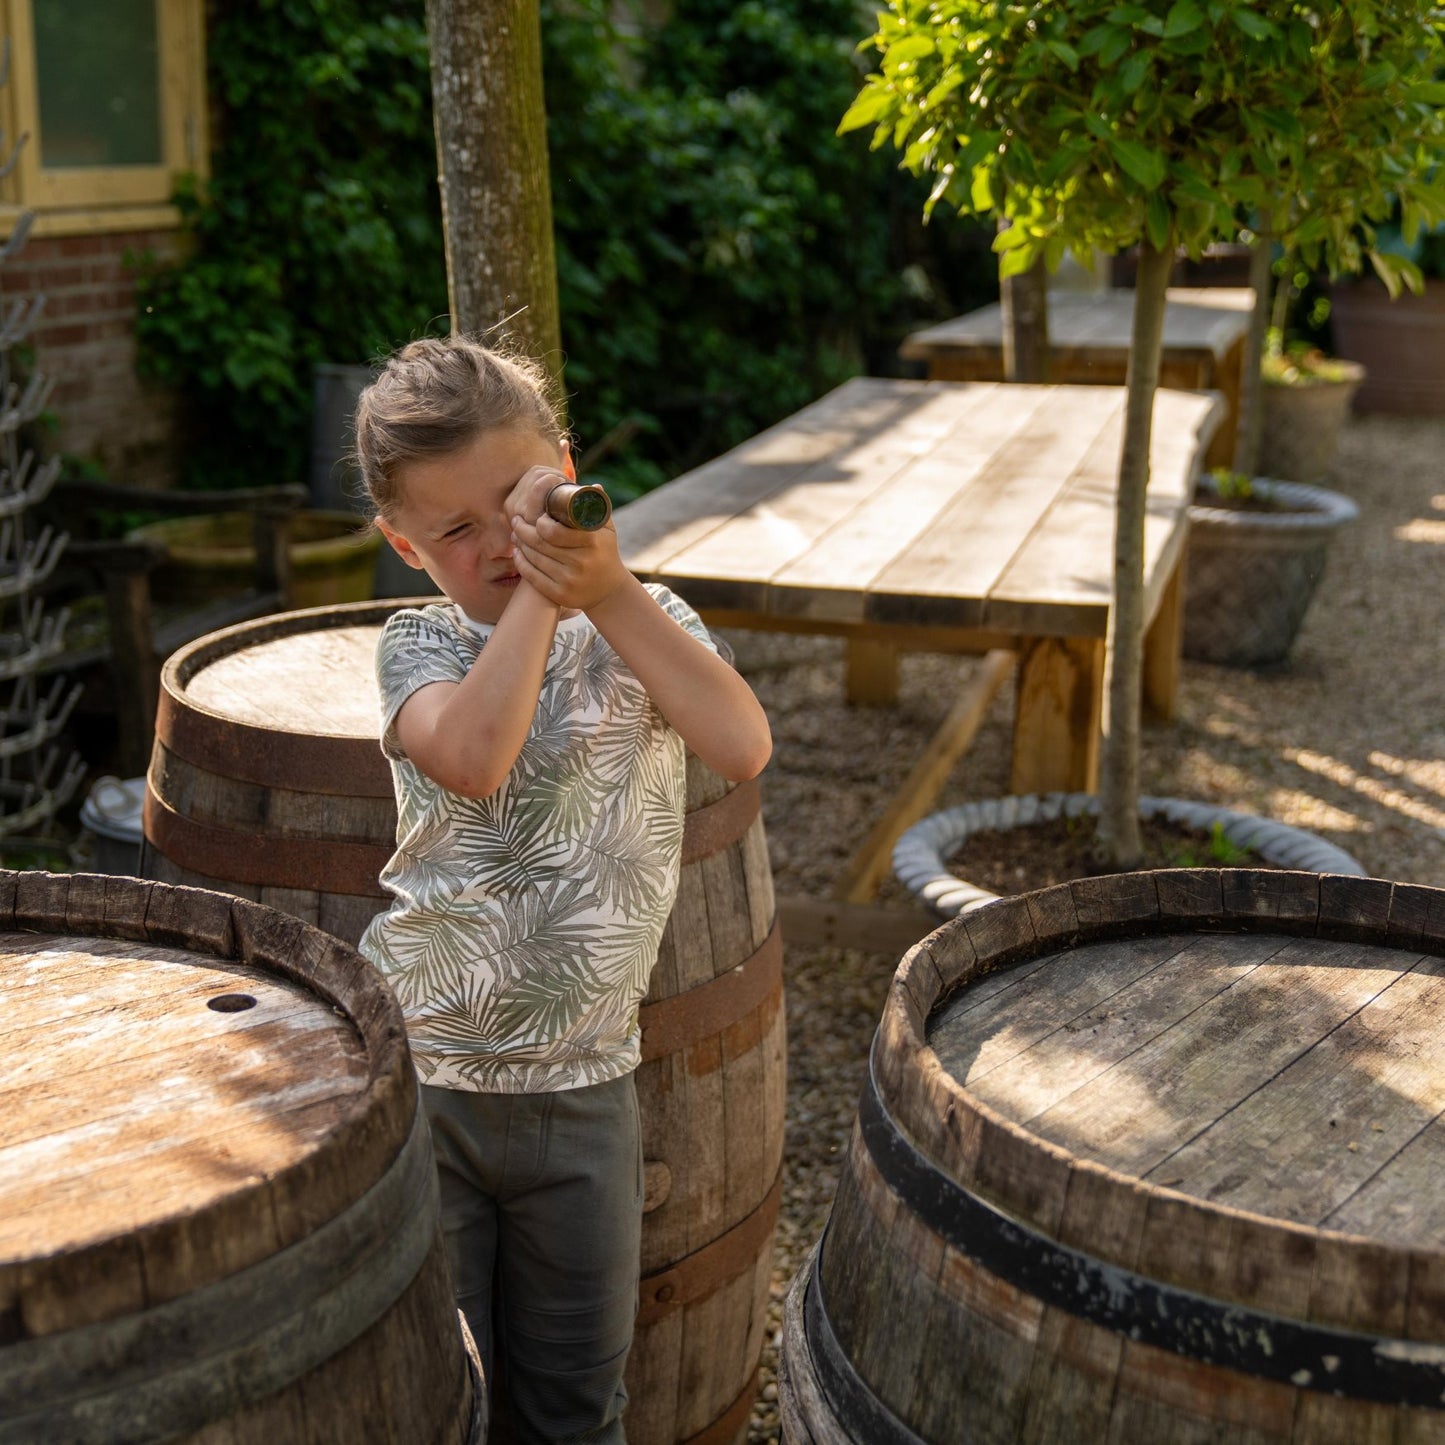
1025, 304
1118, 837
491, 130
1251, 385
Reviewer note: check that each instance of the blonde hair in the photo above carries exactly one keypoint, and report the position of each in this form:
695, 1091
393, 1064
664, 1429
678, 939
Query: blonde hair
435, 396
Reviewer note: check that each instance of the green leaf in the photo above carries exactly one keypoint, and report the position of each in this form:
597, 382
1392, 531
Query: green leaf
981, 191
1144, 165
1115, 46
1184, 16
866, 108
910, 48
1158, 221
1133, 71
1016, 262
1255, 26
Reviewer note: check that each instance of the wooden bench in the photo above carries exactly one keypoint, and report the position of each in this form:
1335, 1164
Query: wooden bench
1205, 332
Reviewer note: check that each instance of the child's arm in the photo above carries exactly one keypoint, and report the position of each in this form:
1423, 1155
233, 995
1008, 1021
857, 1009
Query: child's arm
710, 705
466, 735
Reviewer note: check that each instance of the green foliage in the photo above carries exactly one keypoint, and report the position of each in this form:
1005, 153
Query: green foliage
318, 237
1105, 124
723, 256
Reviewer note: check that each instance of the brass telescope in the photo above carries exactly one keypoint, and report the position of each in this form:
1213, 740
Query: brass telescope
584, 506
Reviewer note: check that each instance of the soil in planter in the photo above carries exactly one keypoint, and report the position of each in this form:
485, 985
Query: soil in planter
1015, 860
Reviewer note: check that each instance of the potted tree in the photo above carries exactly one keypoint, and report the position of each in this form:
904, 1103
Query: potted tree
1101, 126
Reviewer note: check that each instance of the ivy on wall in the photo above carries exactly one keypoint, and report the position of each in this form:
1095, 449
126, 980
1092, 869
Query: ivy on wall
723, 256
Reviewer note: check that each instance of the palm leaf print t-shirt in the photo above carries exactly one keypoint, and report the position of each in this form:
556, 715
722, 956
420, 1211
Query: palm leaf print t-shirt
524, 925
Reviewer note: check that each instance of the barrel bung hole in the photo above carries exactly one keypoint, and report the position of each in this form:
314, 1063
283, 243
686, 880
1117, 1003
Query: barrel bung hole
231, 1003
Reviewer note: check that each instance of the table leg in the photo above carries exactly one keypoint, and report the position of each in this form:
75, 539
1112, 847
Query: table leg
1163, 650
1058, 713
872, 671
870, 865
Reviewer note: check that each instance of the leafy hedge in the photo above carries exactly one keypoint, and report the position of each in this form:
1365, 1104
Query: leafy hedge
722, 255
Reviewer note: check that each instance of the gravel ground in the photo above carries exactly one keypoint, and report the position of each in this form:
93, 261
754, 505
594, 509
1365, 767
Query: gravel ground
1348, 741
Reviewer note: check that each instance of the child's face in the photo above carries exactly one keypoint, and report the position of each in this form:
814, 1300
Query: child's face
453, 523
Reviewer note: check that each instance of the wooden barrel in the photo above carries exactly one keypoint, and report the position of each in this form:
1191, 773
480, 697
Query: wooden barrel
1155, 1157
218, 1204
267, 781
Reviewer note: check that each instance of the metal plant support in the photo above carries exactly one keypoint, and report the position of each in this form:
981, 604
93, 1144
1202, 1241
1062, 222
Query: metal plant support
34, 781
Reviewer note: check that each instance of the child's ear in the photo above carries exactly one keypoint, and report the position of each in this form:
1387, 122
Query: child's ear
400, 545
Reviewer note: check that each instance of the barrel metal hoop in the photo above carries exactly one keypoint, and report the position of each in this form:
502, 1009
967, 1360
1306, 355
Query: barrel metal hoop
703, 1272
710, 829
319, 865
237, 1340
850, 1399
351, 767
673, 1024
727, 1426
1217, 1332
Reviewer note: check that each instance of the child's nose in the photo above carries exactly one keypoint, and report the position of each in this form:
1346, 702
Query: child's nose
499, 535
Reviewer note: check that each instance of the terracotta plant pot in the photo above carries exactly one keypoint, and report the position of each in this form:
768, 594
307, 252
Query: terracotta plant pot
1252, 572
920, 857
1300, 429
1401, 344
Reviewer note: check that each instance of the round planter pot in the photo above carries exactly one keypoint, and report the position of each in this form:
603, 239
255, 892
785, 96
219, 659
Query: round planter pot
332, 557
1401, 344
1251, 573
1300, 430
920, 857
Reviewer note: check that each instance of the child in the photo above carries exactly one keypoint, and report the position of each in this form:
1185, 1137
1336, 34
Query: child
535, 721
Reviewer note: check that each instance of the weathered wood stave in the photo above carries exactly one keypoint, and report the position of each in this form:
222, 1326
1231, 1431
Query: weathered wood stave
263, 803
281, 1280
905, 1320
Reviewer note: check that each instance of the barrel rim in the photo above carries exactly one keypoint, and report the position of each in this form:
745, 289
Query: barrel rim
204, 737
367, 1137
1041, 1182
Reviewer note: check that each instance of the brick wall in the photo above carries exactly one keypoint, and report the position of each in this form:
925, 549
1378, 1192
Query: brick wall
85, 341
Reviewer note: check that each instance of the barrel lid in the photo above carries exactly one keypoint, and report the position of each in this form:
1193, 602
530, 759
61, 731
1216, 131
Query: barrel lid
1138, 1074
286, 701
318, 681
191, 1083
145, 1082
1290, 1077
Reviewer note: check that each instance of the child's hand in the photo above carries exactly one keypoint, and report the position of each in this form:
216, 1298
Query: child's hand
528, 499
569, 567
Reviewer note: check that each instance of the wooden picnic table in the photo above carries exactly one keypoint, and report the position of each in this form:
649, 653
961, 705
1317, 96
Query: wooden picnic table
1205, 332
940, 516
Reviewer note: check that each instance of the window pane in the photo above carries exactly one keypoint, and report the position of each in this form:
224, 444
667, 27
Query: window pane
99, 82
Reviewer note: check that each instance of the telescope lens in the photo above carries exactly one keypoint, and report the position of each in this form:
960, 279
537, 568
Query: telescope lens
589, 508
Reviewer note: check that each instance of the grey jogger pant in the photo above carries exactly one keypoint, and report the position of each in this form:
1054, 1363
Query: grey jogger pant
541, 1201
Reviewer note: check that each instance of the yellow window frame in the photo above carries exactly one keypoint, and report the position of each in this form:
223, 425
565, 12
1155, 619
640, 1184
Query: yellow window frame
79, 199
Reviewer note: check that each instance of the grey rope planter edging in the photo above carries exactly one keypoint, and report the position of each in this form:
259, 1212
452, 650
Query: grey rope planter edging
1311, 509
921, 853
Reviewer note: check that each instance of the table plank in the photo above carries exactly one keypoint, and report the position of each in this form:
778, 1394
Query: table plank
773, 531
1044, 576
657, 528
844, 564
951, 569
